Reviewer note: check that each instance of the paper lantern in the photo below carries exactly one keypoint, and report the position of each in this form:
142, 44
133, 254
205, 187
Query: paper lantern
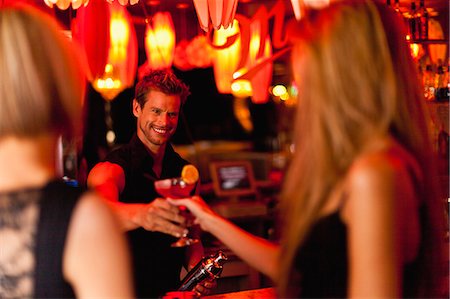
215, 13
298, 6
316, 3
108, 38
261, 80
64, 4
180, 57
199, 52
196, 53
90, 29
160, 41
226, 60
125, 2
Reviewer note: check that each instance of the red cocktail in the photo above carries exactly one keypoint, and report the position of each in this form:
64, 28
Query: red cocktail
176, 188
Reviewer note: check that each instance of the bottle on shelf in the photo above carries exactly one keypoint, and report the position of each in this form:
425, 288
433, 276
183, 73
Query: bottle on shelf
441, 82
443, 144
403, 14
413, 22
429, 83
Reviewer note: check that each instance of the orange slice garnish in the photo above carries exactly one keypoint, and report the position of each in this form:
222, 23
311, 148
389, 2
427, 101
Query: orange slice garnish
189, 174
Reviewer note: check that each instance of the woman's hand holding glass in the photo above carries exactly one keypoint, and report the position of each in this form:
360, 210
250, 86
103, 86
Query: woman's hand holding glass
203, 214
175, 188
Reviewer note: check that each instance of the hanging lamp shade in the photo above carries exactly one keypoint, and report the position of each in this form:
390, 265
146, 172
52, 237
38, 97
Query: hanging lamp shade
91, 30
160, 41
107, 36
215, 13
298, 6
125, 2
65, 4
259, 82
316, 3
226, 60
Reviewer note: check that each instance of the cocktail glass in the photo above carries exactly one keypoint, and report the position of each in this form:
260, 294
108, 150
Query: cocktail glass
176, 188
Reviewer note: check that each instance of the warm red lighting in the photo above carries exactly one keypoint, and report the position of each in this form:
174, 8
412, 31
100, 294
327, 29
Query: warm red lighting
260, 81
415, 48
226, 60
437, 51
182, 5
160, 41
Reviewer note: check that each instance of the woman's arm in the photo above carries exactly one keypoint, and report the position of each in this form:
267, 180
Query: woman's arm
382, 219
257, 252
96, 260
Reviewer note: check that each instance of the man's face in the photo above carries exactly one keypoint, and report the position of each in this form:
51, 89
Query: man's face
158, 119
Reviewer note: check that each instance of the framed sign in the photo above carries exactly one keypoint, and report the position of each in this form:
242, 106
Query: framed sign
232, 178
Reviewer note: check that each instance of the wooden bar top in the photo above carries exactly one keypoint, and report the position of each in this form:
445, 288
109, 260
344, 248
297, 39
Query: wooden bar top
266, 293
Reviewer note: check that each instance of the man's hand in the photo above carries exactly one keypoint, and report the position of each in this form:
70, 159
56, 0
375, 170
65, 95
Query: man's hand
205, 287
162, 217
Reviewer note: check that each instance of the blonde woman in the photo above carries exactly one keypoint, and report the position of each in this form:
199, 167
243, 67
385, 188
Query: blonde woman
361, 216
56, 241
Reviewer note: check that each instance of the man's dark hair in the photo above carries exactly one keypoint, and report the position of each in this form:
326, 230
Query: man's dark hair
163, 81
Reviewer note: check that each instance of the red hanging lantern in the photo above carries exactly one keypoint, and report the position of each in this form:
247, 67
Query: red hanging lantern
226, 60
107, 36
91, 30
125, 2
64, 4
160, 41
215, 13
260, 81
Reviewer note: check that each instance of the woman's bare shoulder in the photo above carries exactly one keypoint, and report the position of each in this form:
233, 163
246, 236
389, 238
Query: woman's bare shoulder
384, 163
93, 215
379, 178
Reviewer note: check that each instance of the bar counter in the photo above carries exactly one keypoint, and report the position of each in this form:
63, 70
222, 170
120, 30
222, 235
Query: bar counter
266, 293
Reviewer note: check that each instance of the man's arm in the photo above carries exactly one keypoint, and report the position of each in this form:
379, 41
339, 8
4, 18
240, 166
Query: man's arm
108, 179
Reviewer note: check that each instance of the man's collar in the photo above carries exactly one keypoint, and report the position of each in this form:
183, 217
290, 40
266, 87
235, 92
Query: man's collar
143, 151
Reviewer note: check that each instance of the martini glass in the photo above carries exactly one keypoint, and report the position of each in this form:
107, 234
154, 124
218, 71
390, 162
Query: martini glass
176, 188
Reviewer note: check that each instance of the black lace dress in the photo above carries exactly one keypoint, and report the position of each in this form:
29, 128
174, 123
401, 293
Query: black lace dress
33, 228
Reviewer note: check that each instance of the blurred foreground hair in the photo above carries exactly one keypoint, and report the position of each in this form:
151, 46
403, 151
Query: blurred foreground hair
42, 85
359, 81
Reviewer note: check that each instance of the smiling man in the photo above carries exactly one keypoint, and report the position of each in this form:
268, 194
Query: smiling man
125, 178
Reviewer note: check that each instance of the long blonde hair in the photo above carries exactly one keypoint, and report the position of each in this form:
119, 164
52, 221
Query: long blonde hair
41, 86
356, 81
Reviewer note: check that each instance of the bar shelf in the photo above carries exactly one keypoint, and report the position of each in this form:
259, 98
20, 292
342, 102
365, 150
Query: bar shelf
429, 41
